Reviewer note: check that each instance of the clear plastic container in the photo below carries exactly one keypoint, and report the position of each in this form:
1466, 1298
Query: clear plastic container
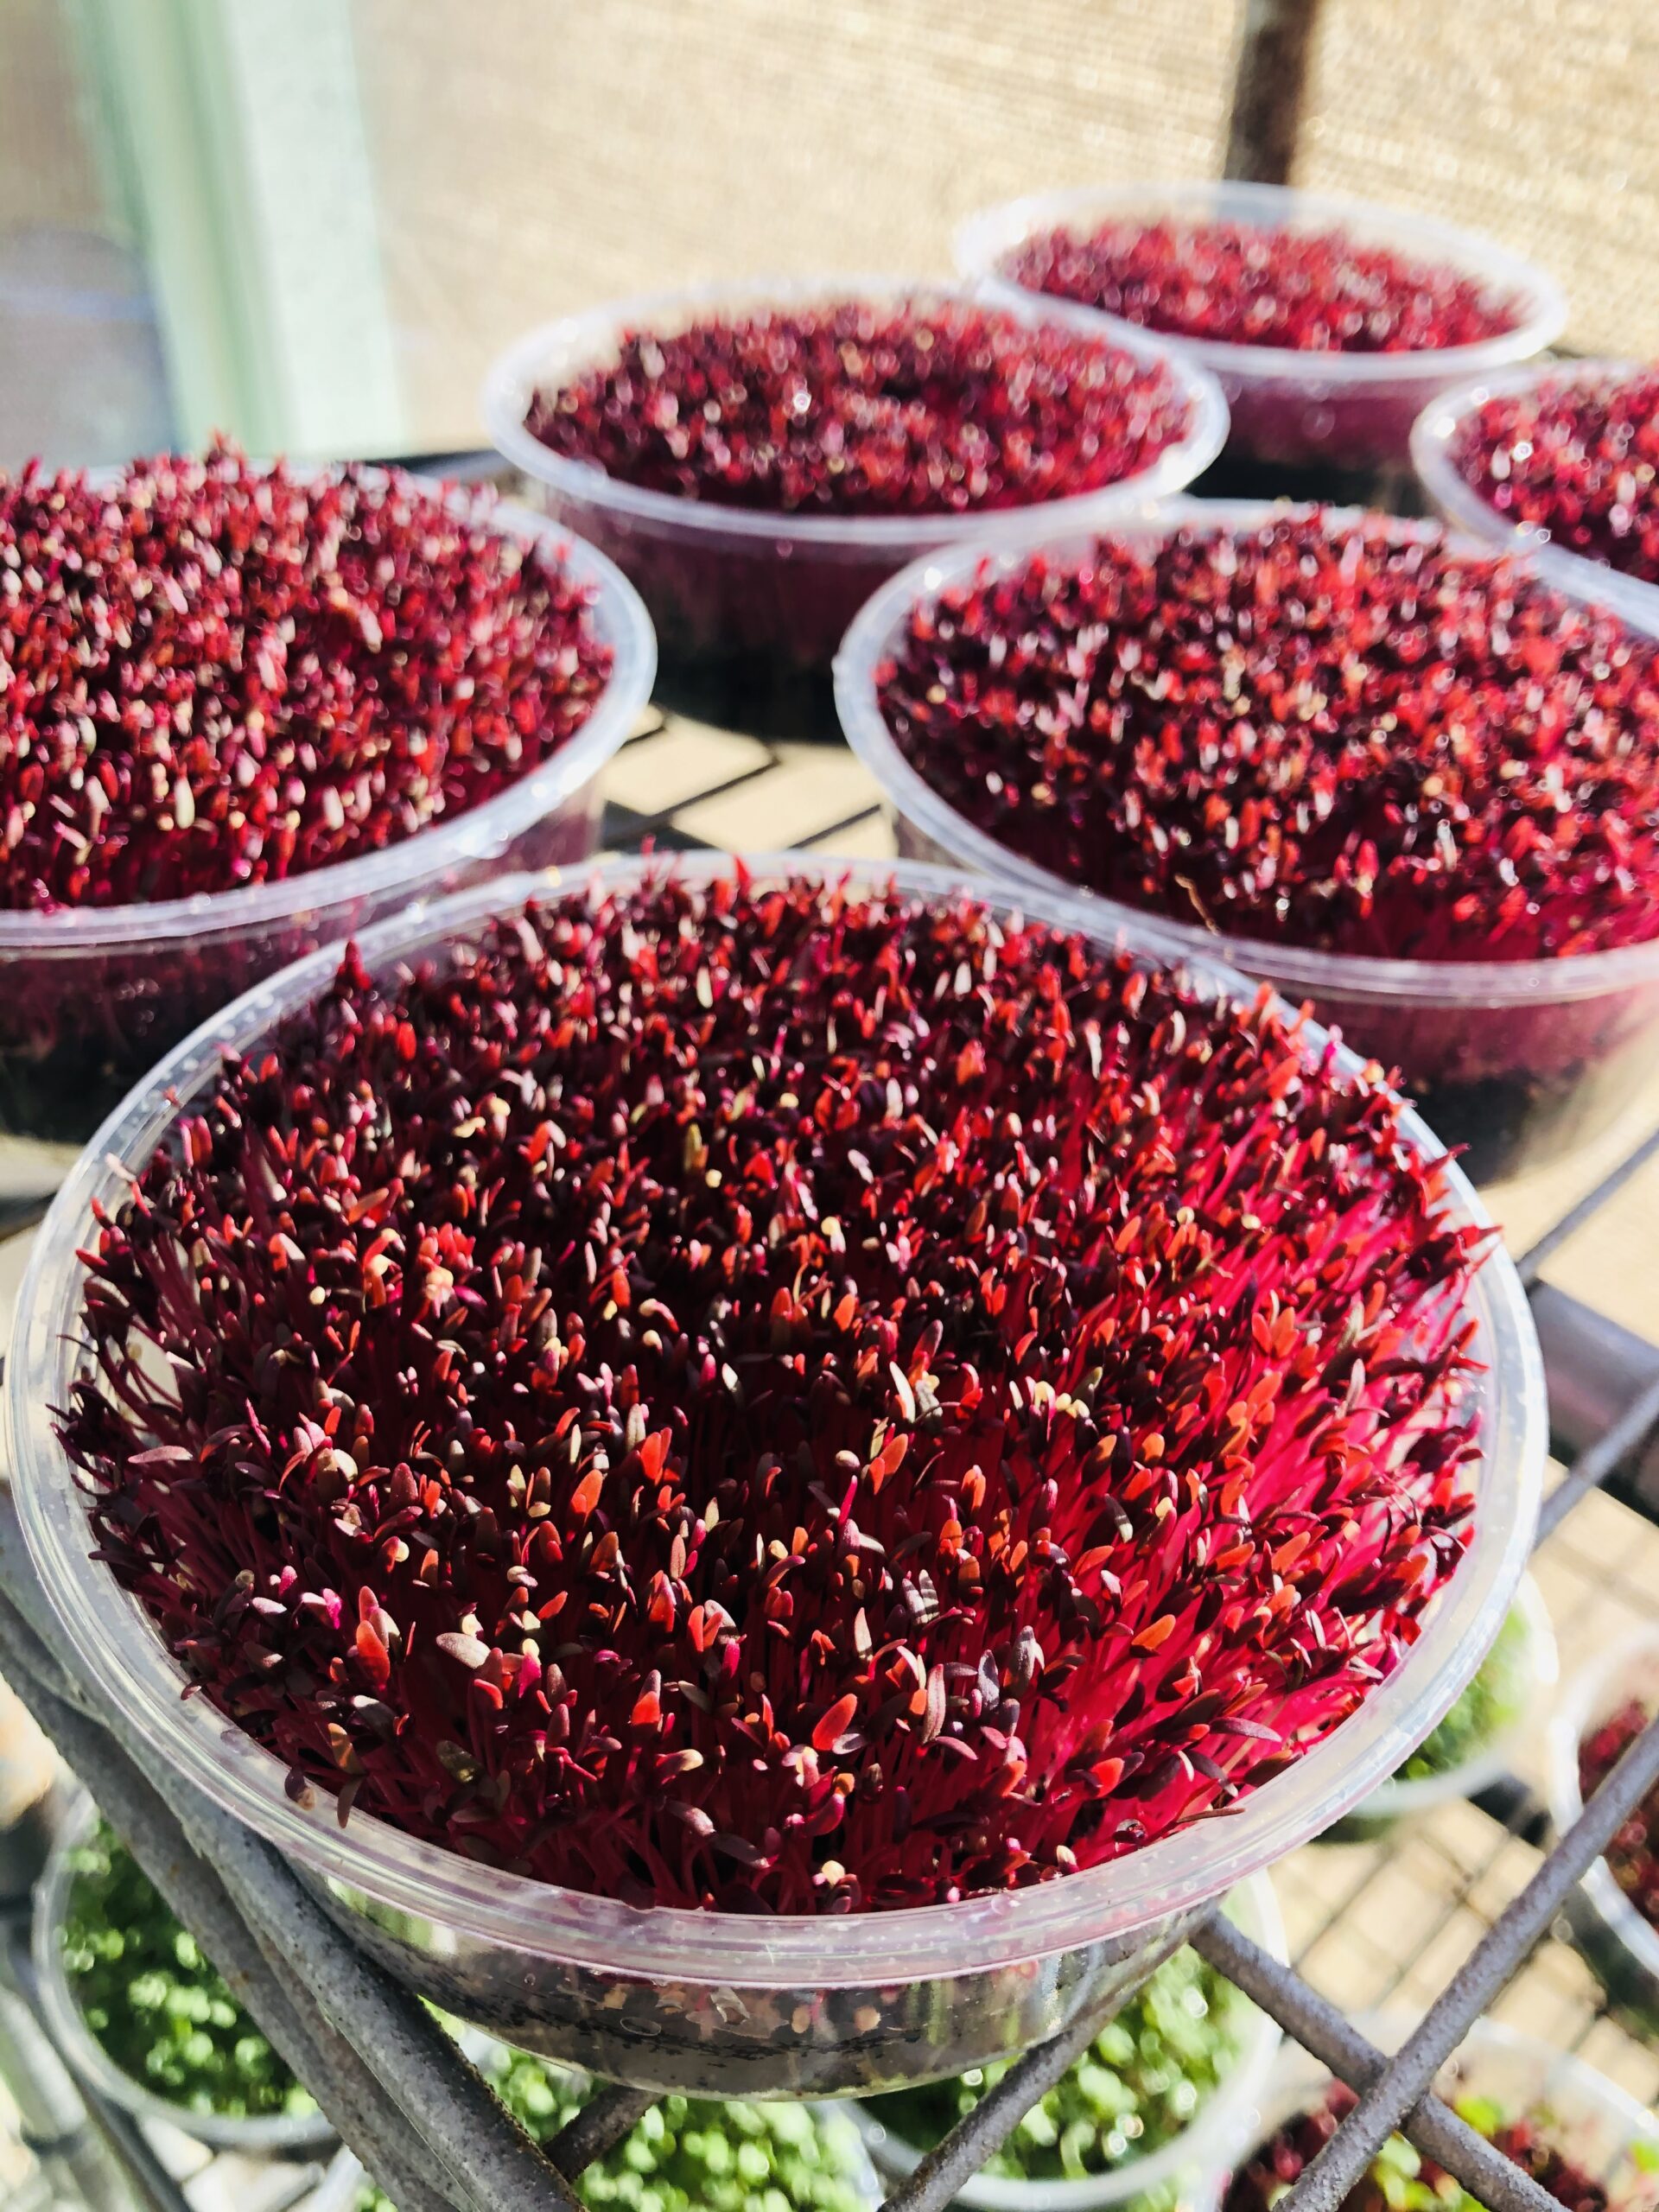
1437, 431
1194, 2160
1599, 2127
1345, 410
337, 2190
91, 997
727, 2005
1537, 1666
774, 589
275, 2135
1621, 1945
1517, 1062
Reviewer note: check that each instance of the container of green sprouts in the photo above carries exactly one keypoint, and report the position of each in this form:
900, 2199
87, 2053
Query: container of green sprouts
1150, 2118
687, 2154
1508, 1701
140, 2014
1581, 2137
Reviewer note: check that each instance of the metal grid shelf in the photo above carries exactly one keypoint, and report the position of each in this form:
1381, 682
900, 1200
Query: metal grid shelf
1452, 1919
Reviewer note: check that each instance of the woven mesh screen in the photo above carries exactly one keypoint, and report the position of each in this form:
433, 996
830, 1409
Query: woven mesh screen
531, 160
51, 172
1530, 119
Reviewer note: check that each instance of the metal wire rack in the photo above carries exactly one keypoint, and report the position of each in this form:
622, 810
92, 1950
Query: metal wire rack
1452, 1921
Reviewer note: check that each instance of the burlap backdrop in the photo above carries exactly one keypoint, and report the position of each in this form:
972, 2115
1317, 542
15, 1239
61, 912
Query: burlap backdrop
531, 156
536, 156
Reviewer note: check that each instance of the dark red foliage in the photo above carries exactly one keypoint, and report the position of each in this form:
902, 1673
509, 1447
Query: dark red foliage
217, 675
1576, 460
1302, 733
1259, 2183
762, 1398
862, 408
1633, 1853
76, 1035
1236, 284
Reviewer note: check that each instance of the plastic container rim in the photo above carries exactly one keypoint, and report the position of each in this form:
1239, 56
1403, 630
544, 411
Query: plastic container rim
982, 241
1541, 1664
572, 341
266, 2134
1435, 432
875, 630
1126, 1897
1590, 1697
1209, 2139
619, 621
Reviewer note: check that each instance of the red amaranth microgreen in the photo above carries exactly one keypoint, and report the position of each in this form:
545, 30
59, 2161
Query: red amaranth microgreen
220, 674
1400, 2179
1239, 285
859, 407
1306, 732
1633, 1855
777, 1399
1576, 459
